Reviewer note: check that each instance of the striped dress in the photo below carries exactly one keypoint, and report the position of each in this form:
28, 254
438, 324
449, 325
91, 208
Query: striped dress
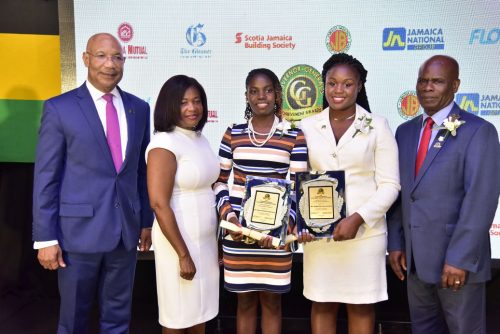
247, 267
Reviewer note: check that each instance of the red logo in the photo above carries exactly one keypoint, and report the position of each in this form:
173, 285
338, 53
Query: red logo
125, 32
212, 116
238, 37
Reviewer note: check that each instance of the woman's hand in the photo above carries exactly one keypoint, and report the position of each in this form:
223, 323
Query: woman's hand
348, 227
187, 267
266, 242
237, 236
303, 235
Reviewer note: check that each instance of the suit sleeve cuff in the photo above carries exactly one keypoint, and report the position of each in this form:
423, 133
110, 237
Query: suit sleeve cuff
44, 244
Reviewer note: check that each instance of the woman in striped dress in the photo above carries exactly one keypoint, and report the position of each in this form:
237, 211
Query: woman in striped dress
263, 146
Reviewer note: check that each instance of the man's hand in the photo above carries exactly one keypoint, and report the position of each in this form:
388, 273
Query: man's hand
453, 277
397, 260
51, 257
145, 240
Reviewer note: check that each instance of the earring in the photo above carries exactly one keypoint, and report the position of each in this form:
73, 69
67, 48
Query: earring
248, 109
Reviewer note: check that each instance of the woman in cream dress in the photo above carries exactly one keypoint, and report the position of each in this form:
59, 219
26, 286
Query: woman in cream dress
181, 170
350, 268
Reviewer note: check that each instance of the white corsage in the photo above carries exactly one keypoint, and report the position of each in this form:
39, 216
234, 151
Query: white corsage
452, 123
283, 127
362, 125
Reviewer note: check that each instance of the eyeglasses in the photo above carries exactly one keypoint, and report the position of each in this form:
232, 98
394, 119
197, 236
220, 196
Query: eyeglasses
102, 57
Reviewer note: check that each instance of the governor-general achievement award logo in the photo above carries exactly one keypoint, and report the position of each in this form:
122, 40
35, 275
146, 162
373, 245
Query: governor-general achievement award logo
302, 92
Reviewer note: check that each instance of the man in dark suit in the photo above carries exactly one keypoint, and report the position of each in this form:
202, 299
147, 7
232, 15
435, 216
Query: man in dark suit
439, 227
90, 203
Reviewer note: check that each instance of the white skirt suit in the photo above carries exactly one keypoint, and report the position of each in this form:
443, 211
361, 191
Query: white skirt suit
353, 271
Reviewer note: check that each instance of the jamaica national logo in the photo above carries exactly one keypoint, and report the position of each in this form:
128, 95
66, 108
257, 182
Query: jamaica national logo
338, 39
302, 92
479, 104
408, 105
468, 102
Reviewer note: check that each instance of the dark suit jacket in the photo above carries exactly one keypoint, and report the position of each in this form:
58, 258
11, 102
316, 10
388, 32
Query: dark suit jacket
79, 199
444, 214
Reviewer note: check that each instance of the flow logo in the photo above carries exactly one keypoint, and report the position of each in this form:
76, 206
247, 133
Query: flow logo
485, 37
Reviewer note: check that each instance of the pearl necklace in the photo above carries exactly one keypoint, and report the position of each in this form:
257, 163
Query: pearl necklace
344, 118
252, 133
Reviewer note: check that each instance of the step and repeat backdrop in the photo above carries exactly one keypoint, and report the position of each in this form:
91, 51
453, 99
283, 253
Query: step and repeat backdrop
219, 42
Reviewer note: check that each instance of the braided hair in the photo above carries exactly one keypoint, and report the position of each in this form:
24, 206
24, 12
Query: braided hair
277, 90
346, 59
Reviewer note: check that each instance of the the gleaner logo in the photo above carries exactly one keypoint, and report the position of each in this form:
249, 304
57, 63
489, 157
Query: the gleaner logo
408, 105
302, 92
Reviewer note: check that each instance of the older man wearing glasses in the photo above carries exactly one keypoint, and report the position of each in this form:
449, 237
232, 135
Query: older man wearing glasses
90, 203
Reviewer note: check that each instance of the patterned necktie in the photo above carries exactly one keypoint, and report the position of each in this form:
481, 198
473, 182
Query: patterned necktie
113, 131
424, 144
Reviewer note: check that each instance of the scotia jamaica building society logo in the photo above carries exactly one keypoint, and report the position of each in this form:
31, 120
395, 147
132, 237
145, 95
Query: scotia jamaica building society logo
302, 92
266, 42
412, 39
196, 39
484, 105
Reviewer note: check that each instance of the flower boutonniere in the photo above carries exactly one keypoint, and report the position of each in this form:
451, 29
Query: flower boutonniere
452, 123
362, 124
283, 127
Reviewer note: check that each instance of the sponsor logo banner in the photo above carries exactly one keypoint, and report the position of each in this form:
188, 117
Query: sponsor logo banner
302, 92
408, 105
485, 36
265, 41
412, 39
126, 34
196, 39
483, 105
338, 39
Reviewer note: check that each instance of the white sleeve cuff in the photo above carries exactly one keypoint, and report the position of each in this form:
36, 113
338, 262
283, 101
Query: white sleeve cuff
43, 244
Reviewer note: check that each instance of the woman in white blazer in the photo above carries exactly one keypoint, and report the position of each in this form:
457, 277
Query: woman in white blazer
346, 136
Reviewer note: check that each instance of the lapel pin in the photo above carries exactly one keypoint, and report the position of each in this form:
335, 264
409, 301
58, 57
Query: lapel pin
441, 138
437, 145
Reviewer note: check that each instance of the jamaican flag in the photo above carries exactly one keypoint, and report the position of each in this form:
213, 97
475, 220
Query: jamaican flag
30, 72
